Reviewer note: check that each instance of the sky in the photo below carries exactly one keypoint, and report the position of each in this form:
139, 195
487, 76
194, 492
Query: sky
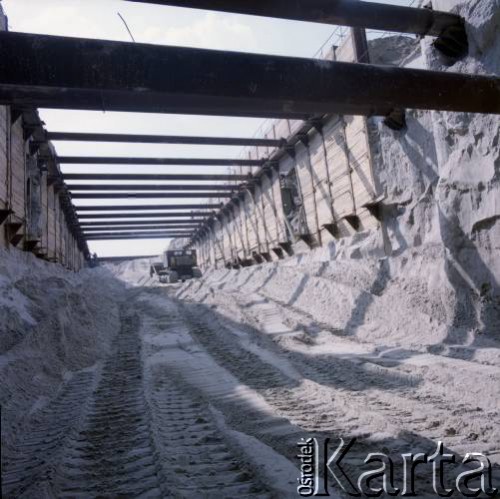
161, 26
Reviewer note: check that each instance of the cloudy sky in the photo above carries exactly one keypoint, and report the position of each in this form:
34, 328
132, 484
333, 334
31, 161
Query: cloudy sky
162, 26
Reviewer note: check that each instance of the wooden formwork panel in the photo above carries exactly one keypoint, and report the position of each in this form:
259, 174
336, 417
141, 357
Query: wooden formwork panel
18, 170
359, 159
69, 248
217, 241
281, 232
227, 239
239, 233
270, 212
4, 153
307, 188
208, 251
61, 236
262, 227
242, 217
201, 251
211, 251
44, 239
337, 160
51, 223
252, 223
34, 208
321, 180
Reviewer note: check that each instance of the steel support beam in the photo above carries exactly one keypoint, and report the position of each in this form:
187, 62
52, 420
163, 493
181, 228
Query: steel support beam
158, 224
112, 230
146, 207
162, 139
136, 235
48, 71
149, 195
122, 238
154, 177
150, 187
180, 228
339, 12
106, 216
86, 160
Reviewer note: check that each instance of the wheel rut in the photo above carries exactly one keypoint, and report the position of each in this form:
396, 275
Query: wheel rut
128, 429
113, 453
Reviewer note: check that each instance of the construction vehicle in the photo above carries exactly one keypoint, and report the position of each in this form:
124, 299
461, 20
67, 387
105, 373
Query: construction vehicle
176, 265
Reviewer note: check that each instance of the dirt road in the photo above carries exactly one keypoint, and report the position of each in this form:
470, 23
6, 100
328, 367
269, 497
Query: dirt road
189, 403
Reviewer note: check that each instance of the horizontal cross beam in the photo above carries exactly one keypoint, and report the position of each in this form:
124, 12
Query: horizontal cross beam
154, 177
162, 139
58, 72
107, 235
135, 235
150, 187
150, 207
339, 12
101, 216
87, 160
127, 238
147, 195
98, 230
136, 226
124, 238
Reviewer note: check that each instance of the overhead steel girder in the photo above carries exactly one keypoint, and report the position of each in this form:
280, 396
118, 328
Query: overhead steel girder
162, 139
82, 160
93, 230
177, 230
150, 187
147, 223
150, 207
134, 235
122, 238
154, 177
339, 12
47, 71
149, 195
158, 230
102, 216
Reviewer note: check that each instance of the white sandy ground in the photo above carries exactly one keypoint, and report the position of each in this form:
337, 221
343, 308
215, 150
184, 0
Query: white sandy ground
119, 387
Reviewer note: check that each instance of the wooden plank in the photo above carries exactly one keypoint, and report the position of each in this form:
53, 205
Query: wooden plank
18, 171
263, 235
357, 142
252, 224
240, 231
4, 132
321, 180
269, 211
304, 174
45, 212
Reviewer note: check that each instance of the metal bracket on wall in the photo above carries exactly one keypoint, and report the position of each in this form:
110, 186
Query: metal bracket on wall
453, 42
15, 114
30, 245
13, 227
396, 120
353, 221
374, 207
333, 229
4, 214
